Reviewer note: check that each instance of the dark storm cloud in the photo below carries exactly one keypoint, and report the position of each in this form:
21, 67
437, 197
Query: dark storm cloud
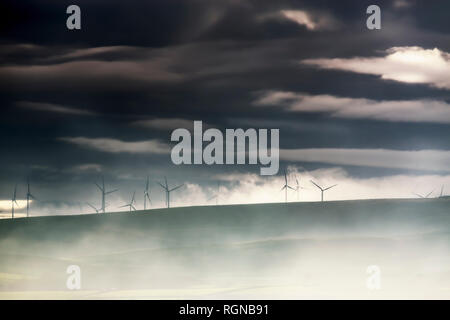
177, 61
162, 23
430, 17
148, 23
54, 108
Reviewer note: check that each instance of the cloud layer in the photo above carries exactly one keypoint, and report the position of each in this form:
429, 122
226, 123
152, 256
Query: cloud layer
55, 108
117, 146
311, 21
165, 123
424, 160
425, 110
403, 64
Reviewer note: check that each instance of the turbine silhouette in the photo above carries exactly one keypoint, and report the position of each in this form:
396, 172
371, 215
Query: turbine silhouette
14, 200
168, 191
216, 196
131, 204
322, 189
297, 188
96, 210
147, 194
423, 196
442, 192
29, 196
286, 186
104, 194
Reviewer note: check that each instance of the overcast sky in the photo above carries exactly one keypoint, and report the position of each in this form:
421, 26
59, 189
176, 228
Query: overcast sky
365, 109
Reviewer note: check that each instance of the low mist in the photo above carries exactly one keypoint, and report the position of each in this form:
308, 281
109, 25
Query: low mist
295, 250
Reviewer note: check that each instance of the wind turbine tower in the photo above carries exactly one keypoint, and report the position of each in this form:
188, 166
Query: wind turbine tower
216, 196
168, 191
286, 186
297, 188
13, 200
322, 189
147, 194
104, 194
29, 196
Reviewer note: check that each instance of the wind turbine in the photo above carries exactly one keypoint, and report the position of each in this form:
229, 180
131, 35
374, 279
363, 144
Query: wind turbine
13, 200
322, 189
425, 196
297, 188
146, 194
216, 196
168, 191
442, 192
96, 210
212, 198
29, 196
104, 193
286, 186
131, 204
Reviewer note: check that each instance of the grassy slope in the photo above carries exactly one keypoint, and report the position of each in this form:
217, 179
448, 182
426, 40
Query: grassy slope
244, 219
243, 241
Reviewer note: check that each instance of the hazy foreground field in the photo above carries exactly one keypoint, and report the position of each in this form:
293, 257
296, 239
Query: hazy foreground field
293, 251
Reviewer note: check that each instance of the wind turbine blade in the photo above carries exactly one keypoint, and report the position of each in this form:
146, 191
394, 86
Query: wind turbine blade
115, 190
147, 184
167, 186
291, 188
429, 194
416, 194
98, 186
173, 189
148, 197
316, 185
162, 186
442, 191
90, 205
133, 207
126, 205
330, 187
283, 188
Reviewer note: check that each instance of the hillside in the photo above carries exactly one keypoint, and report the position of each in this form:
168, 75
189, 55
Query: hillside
264, 250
